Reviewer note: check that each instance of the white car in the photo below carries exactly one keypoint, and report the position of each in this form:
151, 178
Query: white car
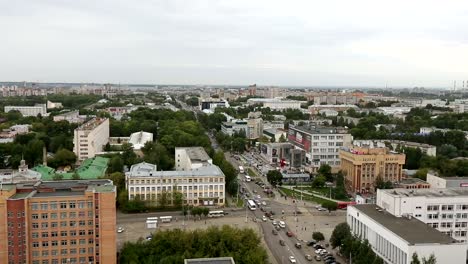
264, 203
264, 218
319, 251
292, 259
120, 229
282, 224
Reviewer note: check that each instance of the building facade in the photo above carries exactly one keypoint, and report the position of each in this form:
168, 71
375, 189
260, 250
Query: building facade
396, 239
362, 167
427, 149
443, 209
58, 222
90, 138
203, 186
320, 144
437, 181
282, 154
28, 110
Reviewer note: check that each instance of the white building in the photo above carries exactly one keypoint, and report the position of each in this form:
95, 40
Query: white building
139, 139
427, 149
200, 187
235, 126
446, 182
73, 117
276, 104
396, 239
90, 138
443, 209
28, 110
191, 158
398, 110
321, 144
52, 105
22, 175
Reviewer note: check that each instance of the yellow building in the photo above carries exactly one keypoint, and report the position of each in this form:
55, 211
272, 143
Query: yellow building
362, 166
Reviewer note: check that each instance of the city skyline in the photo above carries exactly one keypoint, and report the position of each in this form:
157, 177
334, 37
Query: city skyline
336, 43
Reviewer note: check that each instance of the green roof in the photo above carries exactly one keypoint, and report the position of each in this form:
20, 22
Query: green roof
90, 169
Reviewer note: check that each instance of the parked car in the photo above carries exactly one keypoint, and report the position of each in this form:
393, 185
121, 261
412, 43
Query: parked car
289, 234
318, 258
271, 217
282, 224
282, 242
292, 259
298, 245
264, 219
308, 257
278, 227
311, 243
120, 229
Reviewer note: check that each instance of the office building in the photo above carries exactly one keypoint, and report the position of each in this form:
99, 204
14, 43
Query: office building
58, 222
254, 125
321, 144
396, 239
283, 154
90, 138
233, 127
191, 158
437, 181
28, 110
441, 208
362, 166
201, 186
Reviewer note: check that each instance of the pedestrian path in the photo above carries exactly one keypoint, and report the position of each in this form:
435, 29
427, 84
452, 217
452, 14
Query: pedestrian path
310, 193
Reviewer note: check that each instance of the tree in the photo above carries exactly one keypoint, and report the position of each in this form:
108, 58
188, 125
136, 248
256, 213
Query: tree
128, 156
340, 233
317, 236
63, 157
163, 200
325, 171
430, 260
319, 181
274, 177
381, 184
177, 197
192, 101
330, 205
448, 151
116, 164
118, 178
156, 153
75, 176
282, 138
415, 259
340, 189
421, 174
57, 177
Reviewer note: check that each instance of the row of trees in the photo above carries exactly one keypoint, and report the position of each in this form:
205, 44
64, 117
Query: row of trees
173, 246
229, 171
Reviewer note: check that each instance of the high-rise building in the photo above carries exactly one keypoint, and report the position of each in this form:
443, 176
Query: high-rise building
58, 222
362, 166
90, 138
321, 144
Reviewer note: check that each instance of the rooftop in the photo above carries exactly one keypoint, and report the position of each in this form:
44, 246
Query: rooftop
430, 193
210, 171
139, 139
224, 260
320, 130
411, 230
197, 154
92, 124
412, 181
90, 169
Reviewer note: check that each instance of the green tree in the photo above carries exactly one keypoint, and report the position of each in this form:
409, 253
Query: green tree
128, 156
381, 184
156, 153
430, 260
282, 138
318, 236
116, 164
178, 198
163, 200
448, 151
118, 178
330, 205
325, 171
192, 101
340, 233
319, 181
274, 177
415, 259
57, 177
63, 157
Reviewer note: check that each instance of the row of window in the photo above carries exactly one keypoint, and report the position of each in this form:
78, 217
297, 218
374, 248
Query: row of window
175, 181
63, 215
62, 233
54, 243
61, 205
445, 207
81, 260
327, 137
190, 188
44, 225
63, 252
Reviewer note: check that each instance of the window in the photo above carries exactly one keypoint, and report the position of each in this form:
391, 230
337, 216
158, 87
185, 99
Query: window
54, 224
53, 205
44, 225
35, 235
45, 234
63, 242
45, 216
72, 214
72, 204
63, 233
72, 223
63, 205
34, 206
35, 244
35, 216
35, 225
64, 252
44, 206
418, 207
45, 243
432, 208
54, 243
63, 215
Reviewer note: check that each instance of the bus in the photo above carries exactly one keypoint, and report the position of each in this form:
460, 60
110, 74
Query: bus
344, 205
251, 205
248, 178
165, 219
215, 214
241, 169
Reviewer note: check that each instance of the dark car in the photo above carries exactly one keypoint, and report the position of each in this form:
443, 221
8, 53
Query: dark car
289, 234
311, 243
282, 242
298, 245
274, 232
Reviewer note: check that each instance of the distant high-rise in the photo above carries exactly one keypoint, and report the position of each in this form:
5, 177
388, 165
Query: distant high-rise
91, 138
253, 90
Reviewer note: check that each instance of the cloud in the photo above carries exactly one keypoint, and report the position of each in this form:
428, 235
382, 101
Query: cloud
235, 42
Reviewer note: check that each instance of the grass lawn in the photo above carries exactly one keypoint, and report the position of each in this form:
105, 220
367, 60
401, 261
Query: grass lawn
251, 172
325, 191
306, 197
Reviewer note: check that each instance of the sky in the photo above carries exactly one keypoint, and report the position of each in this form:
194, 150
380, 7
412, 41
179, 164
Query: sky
397, 43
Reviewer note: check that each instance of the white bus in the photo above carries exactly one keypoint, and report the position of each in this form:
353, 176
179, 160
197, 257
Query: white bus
248, 178
215, 214
165, 219
241, 169
251, 204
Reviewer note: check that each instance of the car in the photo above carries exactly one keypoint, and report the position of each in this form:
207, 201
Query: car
272, 213
289, 234
267, 214
120, 229
262, 209
298, 245
311, 243
275, 222
271, 217
259, 197
321, 209
318, 246
264, 203
278, 228
292, 259
319, 251
282, 224
282, 242
254, 191
274, 232
264, 219
308, 257
318, 258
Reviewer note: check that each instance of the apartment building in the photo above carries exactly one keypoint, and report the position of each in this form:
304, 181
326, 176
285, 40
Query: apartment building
191, 158
321, 144
28, 110
362, 166
445, 209
58, 222
200, 186
427, 149
276, 104
252, 126
396, 239
90, 138
315, 109
72, 117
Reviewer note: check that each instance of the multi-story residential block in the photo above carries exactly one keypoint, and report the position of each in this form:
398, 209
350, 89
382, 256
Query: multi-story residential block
283, 154
445, 209
235, 126
362, 166
191, 158
28, 110
58, 222
90, 138
321, 144
396, 144
396, 239
201, 186
9, 135
276, 104
252, 126
315, 109
72, 117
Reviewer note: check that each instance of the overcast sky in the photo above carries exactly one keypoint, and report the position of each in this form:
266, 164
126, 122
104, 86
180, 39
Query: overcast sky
368, 43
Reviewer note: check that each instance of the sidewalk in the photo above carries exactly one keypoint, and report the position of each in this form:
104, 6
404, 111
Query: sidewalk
309, 193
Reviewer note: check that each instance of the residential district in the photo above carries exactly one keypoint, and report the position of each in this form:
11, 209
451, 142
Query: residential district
101, 174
